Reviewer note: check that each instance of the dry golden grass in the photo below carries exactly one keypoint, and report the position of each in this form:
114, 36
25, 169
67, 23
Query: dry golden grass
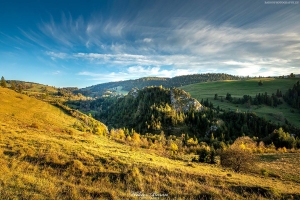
22, 111
284, 165
41, 161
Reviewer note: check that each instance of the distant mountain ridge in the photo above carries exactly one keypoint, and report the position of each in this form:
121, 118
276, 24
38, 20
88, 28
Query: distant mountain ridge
178, 81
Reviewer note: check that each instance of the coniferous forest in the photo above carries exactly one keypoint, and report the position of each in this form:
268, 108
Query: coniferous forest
158, 109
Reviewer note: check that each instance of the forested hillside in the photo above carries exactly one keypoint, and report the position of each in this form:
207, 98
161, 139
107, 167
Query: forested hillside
172, 111
98, 90
153, 109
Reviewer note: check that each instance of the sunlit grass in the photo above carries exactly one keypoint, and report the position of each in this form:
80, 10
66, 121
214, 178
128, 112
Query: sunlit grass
45, 162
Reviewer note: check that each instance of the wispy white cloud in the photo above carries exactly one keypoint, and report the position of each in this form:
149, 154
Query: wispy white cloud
147, 40
193, 37
182, 42
56, 72
54, 55
134, 72
125, 60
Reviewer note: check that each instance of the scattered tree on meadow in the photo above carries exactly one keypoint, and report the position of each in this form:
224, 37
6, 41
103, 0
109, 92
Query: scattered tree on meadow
13, 85
216, 97
260, 83
238, 158
228, 97
292, 75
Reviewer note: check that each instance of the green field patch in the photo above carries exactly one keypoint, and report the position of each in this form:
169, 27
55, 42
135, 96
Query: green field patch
238, 89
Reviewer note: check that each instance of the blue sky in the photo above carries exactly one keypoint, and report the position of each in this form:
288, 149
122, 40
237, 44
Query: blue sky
82, 43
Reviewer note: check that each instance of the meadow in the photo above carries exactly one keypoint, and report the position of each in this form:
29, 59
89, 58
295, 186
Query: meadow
238, 89
42, 156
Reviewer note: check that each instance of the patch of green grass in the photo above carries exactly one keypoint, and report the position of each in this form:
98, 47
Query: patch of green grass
247, 87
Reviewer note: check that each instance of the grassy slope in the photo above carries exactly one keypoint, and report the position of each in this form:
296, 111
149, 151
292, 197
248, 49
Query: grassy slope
248, 87
36, 87
46, 162
23, 111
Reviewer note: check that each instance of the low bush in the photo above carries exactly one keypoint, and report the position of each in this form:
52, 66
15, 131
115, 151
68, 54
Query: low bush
238, 159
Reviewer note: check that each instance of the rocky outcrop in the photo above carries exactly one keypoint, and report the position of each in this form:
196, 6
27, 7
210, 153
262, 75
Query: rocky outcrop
182, 101
134, 92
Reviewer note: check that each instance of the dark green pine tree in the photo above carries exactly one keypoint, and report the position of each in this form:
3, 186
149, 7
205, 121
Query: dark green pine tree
3, 82
186, 138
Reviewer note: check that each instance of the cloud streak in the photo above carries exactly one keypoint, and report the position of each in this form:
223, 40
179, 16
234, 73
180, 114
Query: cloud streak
135, 72
196, 44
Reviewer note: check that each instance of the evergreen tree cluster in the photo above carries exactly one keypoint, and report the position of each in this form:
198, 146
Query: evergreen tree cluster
179, 81
292, 96
147, 110
15, 85
210, 126
282, 139
259, 99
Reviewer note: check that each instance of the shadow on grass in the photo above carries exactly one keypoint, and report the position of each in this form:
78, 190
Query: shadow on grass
247, 191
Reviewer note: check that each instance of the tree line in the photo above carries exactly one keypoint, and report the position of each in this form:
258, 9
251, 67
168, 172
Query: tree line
178, 81
292, 96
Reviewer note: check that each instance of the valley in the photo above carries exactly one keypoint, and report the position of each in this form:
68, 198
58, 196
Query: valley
50, 149
149, 100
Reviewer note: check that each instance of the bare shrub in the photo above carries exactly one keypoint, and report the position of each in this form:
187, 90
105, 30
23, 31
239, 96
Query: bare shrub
240, 160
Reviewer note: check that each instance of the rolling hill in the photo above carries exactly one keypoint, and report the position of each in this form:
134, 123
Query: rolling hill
44, 156
126, 86
238, 89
